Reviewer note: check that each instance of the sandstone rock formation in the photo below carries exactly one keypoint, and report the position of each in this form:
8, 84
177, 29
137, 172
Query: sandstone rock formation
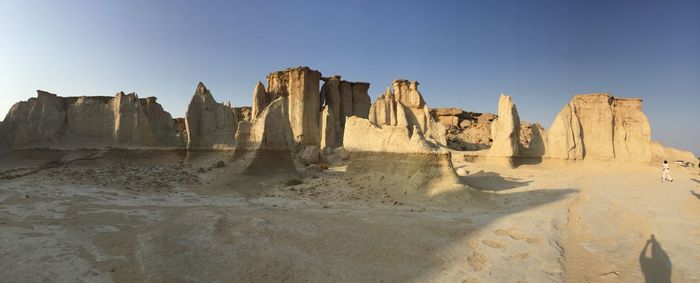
301, 86
599, 126
328, 128
361, 101
411, 155
260, 99
659, 153
264, 146
407, 108
344, 99
465, 130
505, 131
92, 122
209, 124
532, 140
243, 113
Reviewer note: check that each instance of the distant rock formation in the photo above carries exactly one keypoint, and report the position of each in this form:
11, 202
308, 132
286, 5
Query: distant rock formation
602, 127
407, 108
659, 153
209, 124
465, 130
505, 131
91, 122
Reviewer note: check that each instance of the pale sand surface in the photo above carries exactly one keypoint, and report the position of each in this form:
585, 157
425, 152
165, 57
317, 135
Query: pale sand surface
152, 218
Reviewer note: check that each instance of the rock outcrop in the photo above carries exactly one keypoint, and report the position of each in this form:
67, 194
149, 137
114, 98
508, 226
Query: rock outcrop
659, 153
344, 99
209, 124
413, 157
601, 127
505, 131
243, 113
361, 102
400, 132
328, 128
301, 86
533, 138
265, 145
406, 107
260, 99
465, 130
91, 122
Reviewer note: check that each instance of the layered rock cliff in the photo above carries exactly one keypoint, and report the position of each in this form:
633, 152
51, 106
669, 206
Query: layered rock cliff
92, 122
602, 127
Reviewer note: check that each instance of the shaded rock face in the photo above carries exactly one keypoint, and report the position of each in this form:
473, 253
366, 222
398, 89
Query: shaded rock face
406, 108
505, 131
209, 124
532, 140
344, 99
602, 127
301, 86
266, 143
328, 130
412, 156
244, 113
180, 131
92, 122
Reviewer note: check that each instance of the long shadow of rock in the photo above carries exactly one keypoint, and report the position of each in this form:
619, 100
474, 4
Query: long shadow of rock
695, 194
656, 267
349, 244
492, 181
695, 180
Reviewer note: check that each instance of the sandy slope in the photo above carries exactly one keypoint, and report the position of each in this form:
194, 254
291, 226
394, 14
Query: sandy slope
110, 219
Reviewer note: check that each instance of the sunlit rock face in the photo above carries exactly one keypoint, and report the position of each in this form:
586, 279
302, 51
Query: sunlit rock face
505, 131
602, 127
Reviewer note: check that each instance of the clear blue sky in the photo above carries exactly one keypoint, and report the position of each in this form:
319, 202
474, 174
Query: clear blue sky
464, 53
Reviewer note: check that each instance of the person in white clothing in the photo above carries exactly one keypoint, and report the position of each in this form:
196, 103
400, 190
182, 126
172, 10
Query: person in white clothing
666, 172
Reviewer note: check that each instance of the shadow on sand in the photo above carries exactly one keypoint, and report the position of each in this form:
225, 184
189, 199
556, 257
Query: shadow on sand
695, 194
657, 266
492, 181
695, 180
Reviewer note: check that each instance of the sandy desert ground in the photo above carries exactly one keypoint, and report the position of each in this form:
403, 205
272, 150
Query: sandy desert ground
122, 216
